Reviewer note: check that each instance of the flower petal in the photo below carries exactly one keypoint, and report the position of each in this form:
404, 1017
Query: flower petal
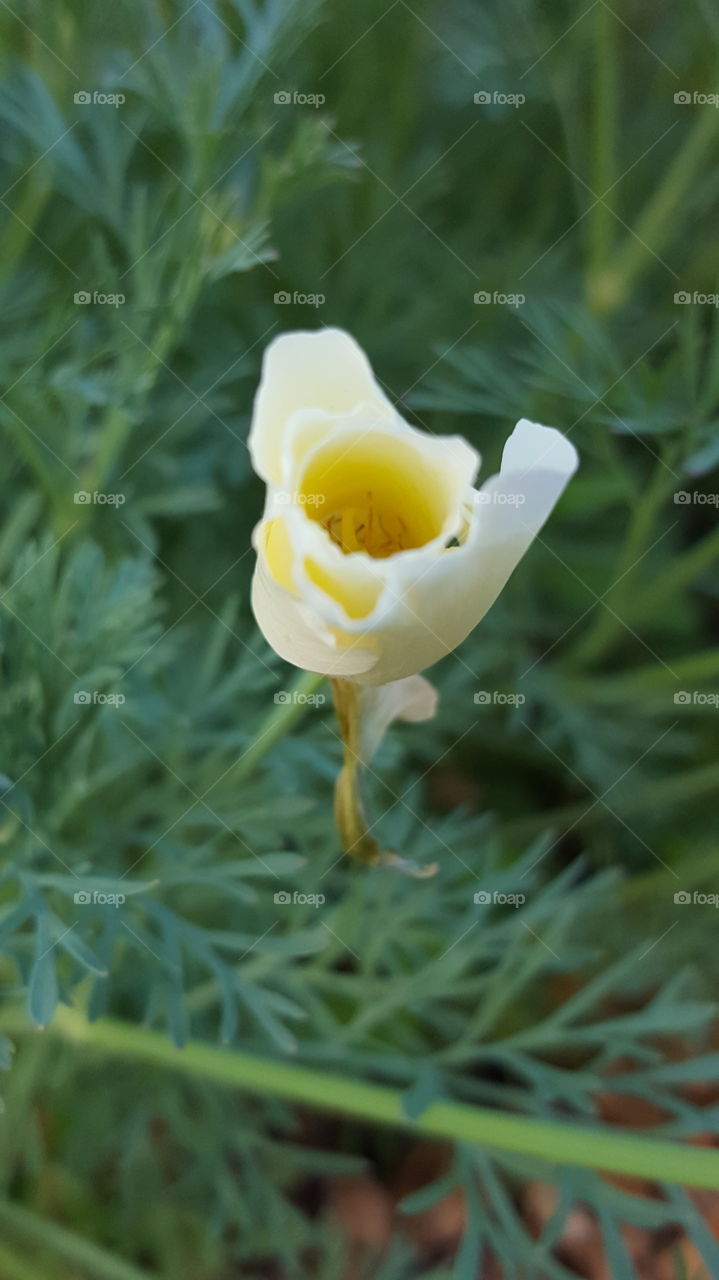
435, 601
320, 369
290, 626
413, 699
435, 611
381, 620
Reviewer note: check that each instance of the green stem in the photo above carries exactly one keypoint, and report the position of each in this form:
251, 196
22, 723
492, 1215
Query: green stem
350, 819
658, 221
557, 1143
650, 683
279, 721
601, 219
41, 1233
680, 576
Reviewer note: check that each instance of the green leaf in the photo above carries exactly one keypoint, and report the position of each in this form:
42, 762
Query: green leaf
42, 995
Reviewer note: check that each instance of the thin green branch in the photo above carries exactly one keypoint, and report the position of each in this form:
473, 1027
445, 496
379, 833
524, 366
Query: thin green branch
279, 722
658, 220
604, 129
625, 1153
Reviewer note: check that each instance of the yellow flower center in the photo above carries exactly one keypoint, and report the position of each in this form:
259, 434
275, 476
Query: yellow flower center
367, 528
376, 494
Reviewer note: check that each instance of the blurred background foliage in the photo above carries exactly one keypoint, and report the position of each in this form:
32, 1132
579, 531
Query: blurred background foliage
397, 198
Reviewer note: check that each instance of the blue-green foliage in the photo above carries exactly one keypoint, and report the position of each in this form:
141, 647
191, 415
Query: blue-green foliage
137, 692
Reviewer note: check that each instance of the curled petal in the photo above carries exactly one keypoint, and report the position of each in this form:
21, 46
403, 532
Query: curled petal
325, 369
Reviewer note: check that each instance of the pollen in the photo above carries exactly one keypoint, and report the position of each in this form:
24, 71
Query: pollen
368, 527
375, 494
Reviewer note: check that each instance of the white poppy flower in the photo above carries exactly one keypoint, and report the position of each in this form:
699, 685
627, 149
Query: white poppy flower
376, 556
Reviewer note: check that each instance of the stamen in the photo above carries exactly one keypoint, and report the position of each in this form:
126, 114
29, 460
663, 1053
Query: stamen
368, 528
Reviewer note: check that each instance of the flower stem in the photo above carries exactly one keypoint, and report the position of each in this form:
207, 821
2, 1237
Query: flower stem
601, 218
657, 220
349, 811
563, 1143
350, 818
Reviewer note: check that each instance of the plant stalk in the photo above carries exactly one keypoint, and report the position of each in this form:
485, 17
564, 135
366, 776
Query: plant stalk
557, 1143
